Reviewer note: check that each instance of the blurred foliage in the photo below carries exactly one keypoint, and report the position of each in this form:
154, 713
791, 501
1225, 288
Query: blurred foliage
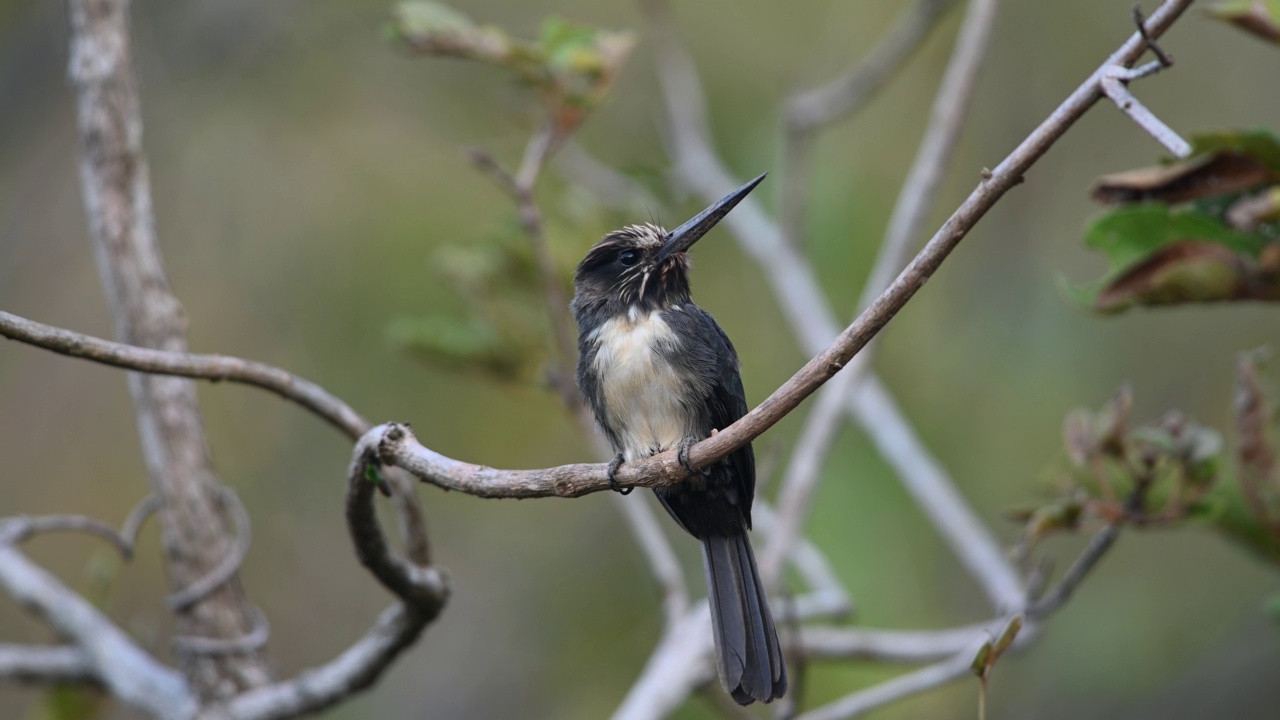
503, 328
1169, 472
571, 65
1204, 229
1260, 18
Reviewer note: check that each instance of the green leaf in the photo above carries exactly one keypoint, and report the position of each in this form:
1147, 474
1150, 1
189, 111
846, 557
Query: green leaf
1130, 233
416, 19
1159, 255
458, 344
1258, 143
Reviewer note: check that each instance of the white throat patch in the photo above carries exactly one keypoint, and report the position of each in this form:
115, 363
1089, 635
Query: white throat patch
642, 391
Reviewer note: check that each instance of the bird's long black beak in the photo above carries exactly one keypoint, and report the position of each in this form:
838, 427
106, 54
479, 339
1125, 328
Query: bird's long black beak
683, 237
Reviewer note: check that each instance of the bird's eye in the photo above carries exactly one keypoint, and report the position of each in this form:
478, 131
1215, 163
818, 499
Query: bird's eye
628, 257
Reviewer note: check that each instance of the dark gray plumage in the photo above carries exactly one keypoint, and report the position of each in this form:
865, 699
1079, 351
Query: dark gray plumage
660, 374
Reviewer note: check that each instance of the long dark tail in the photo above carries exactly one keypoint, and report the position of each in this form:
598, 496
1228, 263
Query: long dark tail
748, 657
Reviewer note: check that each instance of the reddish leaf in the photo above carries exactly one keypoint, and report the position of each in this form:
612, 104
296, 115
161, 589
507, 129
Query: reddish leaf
1207, 175
1189, 271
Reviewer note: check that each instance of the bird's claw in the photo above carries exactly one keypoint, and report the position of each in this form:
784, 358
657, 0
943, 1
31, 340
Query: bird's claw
682, 454
614, 464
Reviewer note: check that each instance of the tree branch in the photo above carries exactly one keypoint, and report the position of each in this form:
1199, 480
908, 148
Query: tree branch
916, 198
421, 589
203, 367
37, 665
124, 669
917, 681
808, 111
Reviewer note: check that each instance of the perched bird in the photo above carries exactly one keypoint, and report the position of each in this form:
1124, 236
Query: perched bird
660, 374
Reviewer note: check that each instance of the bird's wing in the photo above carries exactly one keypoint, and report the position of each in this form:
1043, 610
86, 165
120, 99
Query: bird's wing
726, 401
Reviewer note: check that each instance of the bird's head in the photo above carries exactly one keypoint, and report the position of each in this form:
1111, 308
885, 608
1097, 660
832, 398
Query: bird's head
645, 266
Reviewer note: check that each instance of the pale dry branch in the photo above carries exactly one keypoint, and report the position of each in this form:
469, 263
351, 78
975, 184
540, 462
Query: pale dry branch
45, 665
115, 183
422, 591
610, 187
916, 681
1114, 84
808, 111
214, 368
916, 198
124, 669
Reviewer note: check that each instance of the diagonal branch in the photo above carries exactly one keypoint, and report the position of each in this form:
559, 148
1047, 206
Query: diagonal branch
909, 215
128, 672
807, 112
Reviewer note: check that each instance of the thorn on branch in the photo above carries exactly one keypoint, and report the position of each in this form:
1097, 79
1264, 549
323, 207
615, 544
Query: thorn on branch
1164, 58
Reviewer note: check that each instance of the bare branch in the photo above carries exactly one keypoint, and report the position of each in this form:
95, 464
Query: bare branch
520, 187
792, 280
612, 188
660, 555
680, 664
19, 529
934, 492
421, 589
356, 669
1115, 87
807, 111
202, 367
807, 559
895, 646
38, 665
916, 198
128, 672
811, 109
917, 681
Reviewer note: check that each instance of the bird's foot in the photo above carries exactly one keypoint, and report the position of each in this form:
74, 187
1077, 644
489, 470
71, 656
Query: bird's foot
614, 464
682, 454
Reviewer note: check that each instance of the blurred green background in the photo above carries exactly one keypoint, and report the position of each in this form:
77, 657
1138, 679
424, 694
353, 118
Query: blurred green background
303, 172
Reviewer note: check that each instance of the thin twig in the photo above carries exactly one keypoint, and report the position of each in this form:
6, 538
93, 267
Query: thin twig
892, 646
202, 367
520, 187
809, 110
914, 682
916, 198
227, 567
611, 187
41, 665
21, 528
1113, 84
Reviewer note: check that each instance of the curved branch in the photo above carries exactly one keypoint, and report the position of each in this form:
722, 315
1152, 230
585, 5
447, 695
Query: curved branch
191, 365
422, 591
34, 664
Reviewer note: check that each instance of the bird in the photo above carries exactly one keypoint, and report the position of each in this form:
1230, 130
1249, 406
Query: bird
660, 374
